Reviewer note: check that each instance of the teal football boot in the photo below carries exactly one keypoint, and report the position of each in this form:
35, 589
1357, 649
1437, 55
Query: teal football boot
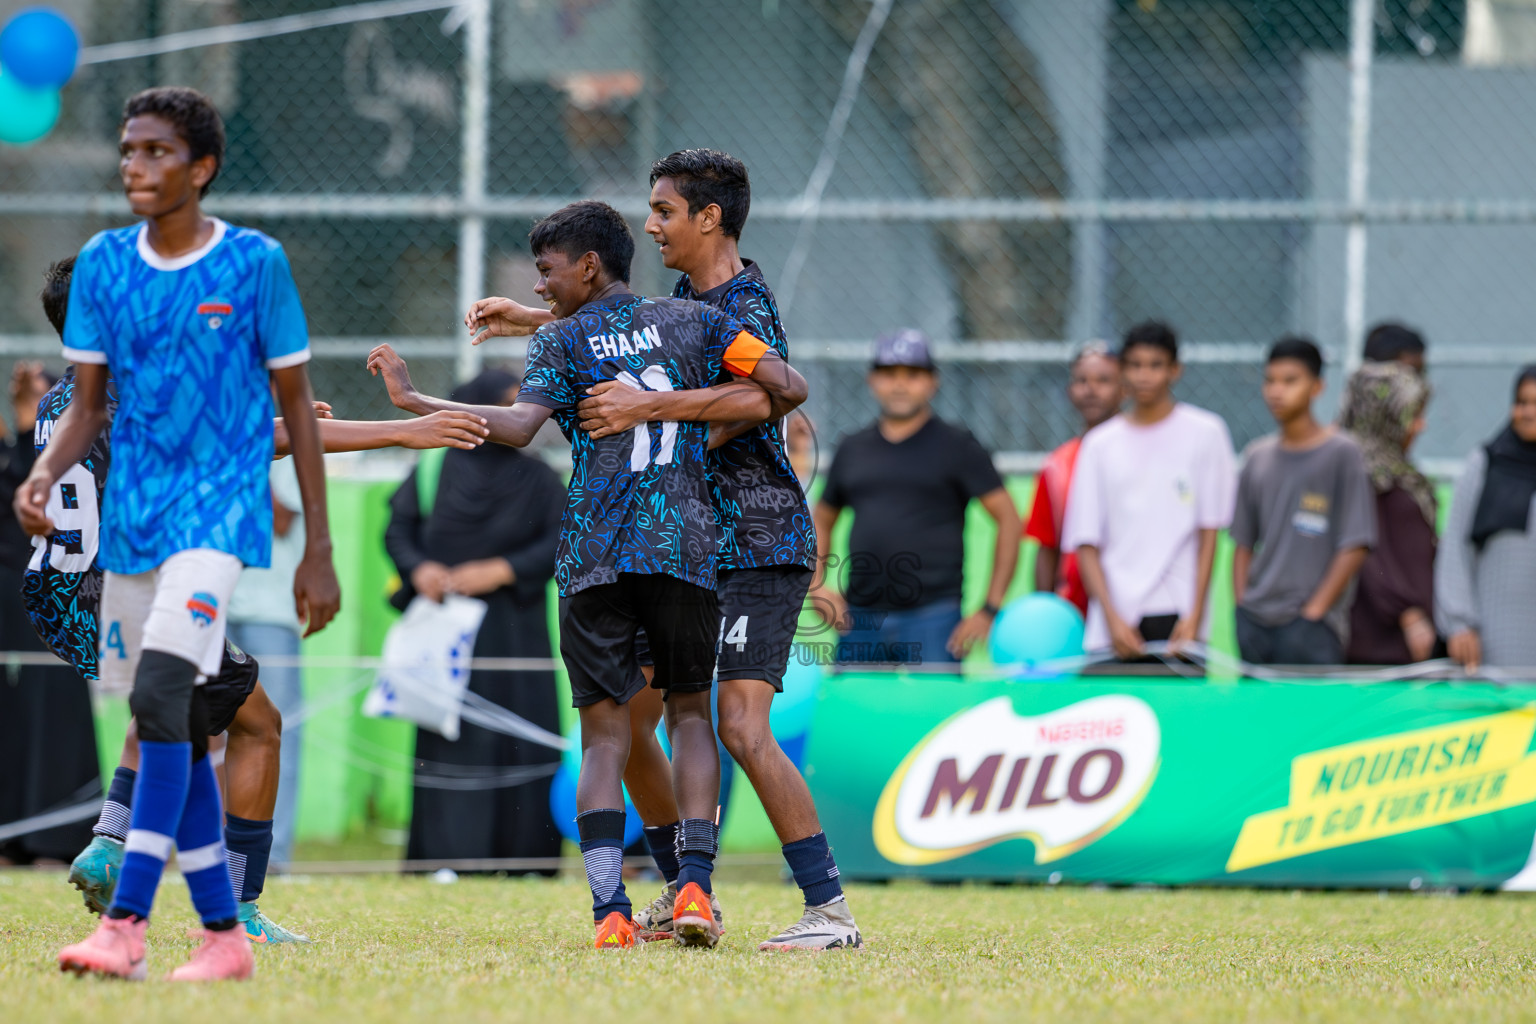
262, 930
95, 871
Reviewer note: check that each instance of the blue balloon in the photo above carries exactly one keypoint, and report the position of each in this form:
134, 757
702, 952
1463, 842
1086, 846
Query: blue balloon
790, 714
26, 114
562, 805
1037, 628
794, 749
40, 47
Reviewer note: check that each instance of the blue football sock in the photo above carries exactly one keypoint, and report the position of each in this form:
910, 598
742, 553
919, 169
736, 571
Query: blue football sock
662, 839
159, 794
698, 841
602, 850
117, 809
250, 847
200, 849
810, 861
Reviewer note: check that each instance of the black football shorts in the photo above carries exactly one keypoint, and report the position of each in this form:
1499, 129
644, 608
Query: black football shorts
597, 637
226, 692
759, 612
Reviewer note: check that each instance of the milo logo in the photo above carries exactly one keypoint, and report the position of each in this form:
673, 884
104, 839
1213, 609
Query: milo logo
1061, 779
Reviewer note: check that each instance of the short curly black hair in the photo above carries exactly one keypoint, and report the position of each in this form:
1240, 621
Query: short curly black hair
586, 226
55, 294
192, 114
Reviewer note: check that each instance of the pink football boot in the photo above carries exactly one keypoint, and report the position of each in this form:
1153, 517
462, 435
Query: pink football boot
223, 955
115, 949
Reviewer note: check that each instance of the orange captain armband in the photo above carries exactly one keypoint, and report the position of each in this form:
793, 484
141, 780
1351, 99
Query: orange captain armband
742, 355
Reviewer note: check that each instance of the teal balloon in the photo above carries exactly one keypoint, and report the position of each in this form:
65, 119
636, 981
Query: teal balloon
790, 714
1035, 629
26, 114
40, 47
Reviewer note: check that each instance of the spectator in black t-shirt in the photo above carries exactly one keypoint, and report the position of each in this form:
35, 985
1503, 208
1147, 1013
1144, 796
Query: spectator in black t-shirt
908, 479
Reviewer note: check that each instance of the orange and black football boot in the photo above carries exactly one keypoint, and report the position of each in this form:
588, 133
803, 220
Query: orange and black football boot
693, 919
615, 932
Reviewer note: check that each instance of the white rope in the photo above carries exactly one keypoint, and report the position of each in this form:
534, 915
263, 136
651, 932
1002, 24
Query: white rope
52, 819
321, 661
425, 776
831, 141
1198, 661
1222, 663
509, 864
487, 714
246, 31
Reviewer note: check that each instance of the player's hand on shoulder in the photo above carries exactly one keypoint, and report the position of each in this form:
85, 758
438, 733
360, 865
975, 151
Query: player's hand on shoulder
612, 407
385, 362
446, 428
316, 594
498, 317
30, 504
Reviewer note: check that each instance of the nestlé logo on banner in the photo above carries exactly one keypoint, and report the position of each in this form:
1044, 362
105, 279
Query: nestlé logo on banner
1061, 779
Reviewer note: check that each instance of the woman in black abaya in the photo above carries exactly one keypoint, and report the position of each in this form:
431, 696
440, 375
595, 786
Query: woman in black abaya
487, 528
47, 730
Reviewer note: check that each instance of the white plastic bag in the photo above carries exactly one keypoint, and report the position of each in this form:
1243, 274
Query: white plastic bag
426, 664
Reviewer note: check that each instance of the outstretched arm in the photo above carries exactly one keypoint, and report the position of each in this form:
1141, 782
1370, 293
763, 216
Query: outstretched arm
512, 425
72, 438
316, 594
451, 429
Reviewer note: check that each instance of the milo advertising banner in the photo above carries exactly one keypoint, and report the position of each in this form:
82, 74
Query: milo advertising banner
1176, 782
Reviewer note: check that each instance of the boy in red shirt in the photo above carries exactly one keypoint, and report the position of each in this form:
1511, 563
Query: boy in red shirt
1095, 391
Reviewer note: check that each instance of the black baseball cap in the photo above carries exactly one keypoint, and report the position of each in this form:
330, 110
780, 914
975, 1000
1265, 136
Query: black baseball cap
909, 347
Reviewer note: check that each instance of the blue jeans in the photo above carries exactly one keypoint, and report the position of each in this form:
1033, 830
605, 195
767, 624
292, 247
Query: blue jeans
913, 636
285, 686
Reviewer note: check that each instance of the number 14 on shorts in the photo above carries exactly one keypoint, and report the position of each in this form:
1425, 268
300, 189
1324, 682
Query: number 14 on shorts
737, 635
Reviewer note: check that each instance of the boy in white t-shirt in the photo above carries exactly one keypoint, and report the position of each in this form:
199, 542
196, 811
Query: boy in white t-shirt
1152, 487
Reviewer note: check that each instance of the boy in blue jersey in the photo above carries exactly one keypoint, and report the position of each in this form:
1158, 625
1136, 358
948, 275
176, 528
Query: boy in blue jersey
699, 203
61, 591
192, 317
639, 537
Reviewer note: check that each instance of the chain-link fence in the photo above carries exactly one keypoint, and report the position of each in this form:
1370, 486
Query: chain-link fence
1012, 176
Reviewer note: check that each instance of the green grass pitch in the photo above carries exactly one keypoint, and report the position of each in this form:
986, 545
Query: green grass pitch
410, 950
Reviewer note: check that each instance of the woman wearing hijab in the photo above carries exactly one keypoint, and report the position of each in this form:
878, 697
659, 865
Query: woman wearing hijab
487, 528
1485, 579
1390, 621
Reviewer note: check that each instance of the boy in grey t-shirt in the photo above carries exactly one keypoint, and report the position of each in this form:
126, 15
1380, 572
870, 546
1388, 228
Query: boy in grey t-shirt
1305, 518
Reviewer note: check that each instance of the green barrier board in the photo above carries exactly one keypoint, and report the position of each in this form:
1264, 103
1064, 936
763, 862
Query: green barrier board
1127, 781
